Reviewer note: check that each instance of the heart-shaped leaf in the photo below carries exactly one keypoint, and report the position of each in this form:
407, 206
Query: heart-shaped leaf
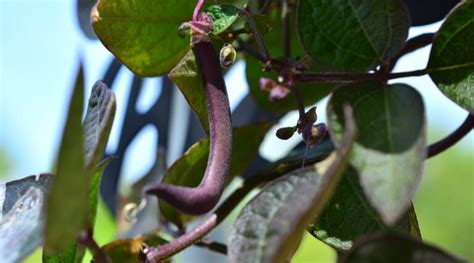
349, 216
390, 149
189, 169
21, 219
270, 227
143, 34
349, 35
394, 248
451, 64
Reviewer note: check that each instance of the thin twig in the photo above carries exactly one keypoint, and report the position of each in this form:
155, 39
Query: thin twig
326, 77
299, 100
286, 43
249, 49
453, 138
258, 38
157, 254
414, 73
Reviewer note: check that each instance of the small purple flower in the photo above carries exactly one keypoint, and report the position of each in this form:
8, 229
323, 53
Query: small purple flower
278, 92
266, 84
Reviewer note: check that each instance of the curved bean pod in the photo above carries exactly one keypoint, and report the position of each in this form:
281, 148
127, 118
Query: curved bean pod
203, 198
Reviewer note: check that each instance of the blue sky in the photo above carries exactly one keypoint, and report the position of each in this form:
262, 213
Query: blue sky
40, 46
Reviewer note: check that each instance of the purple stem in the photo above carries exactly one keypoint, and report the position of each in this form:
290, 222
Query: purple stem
162, 252
203, 198
453, 138
197, 9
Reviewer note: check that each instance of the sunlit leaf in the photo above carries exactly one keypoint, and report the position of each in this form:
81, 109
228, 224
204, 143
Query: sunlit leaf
451, 63
390, 149
189, 169
352, 35
143, 34
222, 17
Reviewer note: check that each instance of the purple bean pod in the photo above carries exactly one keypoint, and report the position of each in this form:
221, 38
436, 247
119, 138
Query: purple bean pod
203, 198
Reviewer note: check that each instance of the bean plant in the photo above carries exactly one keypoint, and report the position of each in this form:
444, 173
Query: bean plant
350, 185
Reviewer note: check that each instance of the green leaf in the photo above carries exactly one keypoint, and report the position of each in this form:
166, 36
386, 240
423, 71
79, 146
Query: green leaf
352, 35
349, 216
189, 169
451, 63
390, 149
223, 16
93, 203
394, 248
128, 250
21, 217
66, 204
311, 93
96, 129
187, 76
143, 34
271, 225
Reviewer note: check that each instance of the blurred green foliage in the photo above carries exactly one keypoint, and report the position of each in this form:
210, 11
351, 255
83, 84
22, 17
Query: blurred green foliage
4, 164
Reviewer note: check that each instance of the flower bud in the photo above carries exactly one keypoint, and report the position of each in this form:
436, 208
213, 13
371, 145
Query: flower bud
311, 116
278, 92
313, 134
285, 133
266, 84
184, 29
227, 55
